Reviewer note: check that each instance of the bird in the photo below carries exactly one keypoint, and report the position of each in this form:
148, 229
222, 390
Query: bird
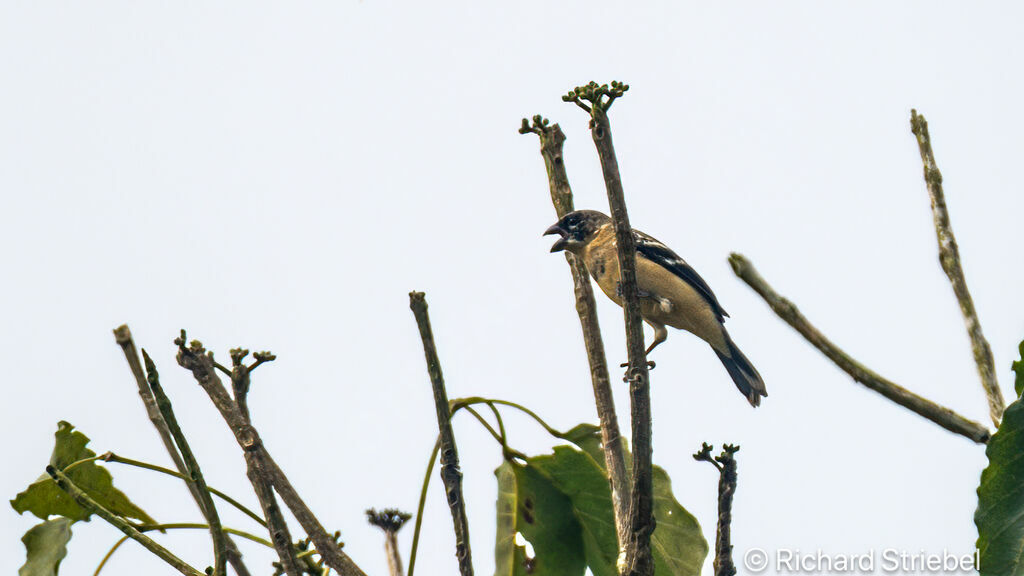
671, 292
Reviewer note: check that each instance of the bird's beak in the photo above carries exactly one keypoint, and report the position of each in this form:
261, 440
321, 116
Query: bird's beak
563, 242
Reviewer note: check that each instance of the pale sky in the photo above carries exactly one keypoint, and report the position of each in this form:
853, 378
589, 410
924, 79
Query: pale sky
280, 176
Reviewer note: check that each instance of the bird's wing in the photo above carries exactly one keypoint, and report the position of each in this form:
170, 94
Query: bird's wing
653, 250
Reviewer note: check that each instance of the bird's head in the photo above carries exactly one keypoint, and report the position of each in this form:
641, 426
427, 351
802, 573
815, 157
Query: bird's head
576, 229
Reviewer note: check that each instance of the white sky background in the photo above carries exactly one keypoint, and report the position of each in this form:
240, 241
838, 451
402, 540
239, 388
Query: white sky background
281, 176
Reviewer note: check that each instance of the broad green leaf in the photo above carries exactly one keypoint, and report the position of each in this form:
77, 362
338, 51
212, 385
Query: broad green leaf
1000, 514
529, 504
44, 498
678, 544
577, 476
1018, 369
45, 547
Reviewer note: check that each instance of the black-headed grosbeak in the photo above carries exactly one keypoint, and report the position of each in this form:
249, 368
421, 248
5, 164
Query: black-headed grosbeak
671, 292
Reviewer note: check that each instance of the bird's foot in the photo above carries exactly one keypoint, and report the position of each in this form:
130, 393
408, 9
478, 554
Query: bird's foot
650, 366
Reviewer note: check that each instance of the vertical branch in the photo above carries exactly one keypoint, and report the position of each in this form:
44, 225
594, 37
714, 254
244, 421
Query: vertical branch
949, 257
596, 100
726, 465
123, 336
390, 521
450, 473
194, 476
551, 140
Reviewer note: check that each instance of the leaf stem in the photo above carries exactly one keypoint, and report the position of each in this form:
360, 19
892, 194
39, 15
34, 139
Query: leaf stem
111, 457
177, 526
422, 504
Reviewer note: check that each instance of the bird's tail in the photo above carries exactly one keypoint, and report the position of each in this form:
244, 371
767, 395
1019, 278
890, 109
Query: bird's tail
743, 373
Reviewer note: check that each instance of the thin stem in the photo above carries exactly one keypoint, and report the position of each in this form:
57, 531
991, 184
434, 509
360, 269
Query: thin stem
178, 526
949, 257
201, 526
499, 436
195, 474
471, 400
450, 473
121, 524
106, 558
788, 311
77, 463
500, 421
422, 504
111, 457
551, 142
494, 433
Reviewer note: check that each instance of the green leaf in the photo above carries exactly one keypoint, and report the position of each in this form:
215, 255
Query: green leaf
44, 498
529, 504
1000, 514
577, 476
579, 479
678, 544
1018, 369
45, 546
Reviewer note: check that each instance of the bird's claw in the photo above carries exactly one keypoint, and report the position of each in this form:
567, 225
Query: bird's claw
650, 366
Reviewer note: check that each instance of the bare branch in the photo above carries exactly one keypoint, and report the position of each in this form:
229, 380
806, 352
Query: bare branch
121, 524
551, 141
123, 336
638, 559
788, 311
949, 257
193, 357
726, 465
194, 477
450, 473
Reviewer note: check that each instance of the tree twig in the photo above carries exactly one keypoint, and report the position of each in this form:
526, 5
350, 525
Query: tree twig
263, 471
726, 465
450, 473
194, 473
277, 527
949, 257
123, 336
597, 99
121, 524
390, 521
788, 311
551, 141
